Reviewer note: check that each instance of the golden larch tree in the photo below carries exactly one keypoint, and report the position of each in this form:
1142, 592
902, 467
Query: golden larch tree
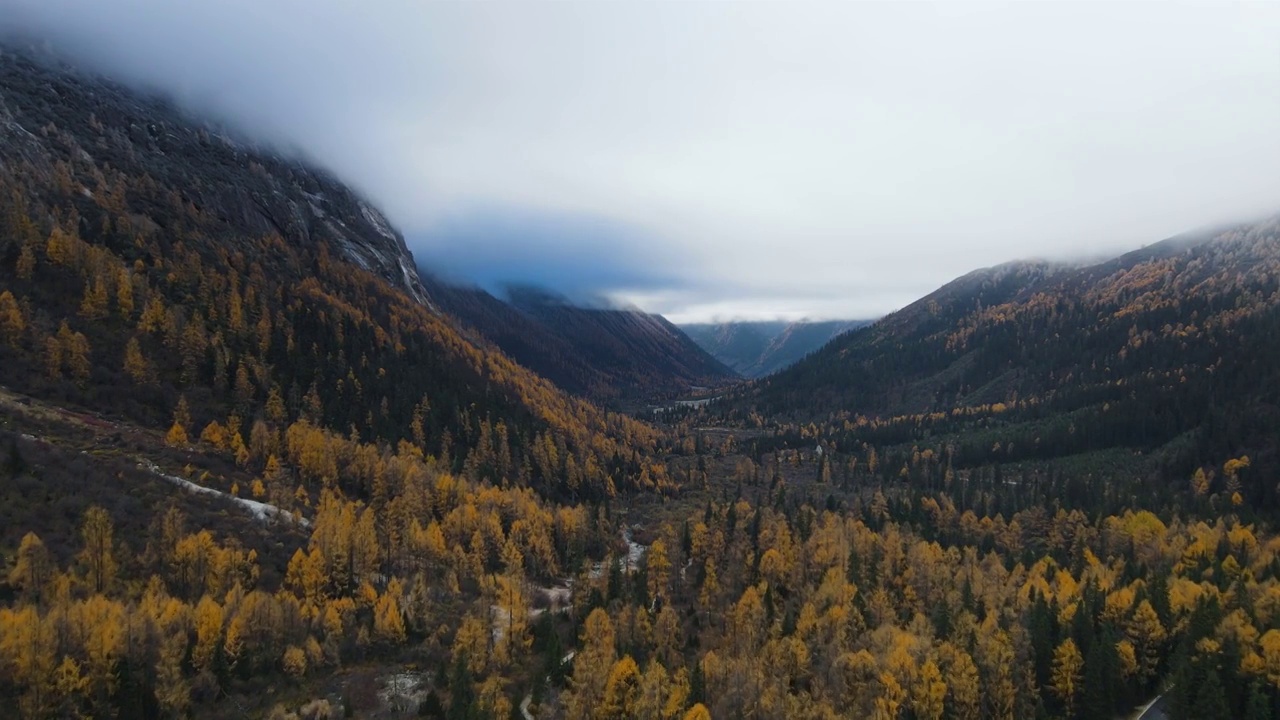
33, 567
1065, 678
98, 551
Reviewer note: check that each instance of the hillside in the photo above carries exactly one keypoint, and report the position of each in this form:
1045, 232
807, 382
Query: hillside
1164, 351
216, 360
149, 258
617, 356
757, 349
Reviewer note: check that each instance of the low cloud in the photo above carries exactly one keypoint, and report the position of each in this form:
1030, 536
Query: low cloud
582, 257
745, 159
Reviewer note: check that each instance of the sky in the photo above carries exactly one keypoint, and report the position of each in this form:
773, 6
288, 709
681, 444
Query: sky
733, 160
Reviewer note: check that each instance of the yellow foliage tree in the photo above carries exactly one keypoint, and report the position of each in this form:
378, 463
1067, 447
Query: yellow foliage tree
621, 691
93, 305
12, 323
177, 436
33, 568
388, 624
471, 644
1147, 635
929, 693
208, 622
1065, 679
295, 662
698, 712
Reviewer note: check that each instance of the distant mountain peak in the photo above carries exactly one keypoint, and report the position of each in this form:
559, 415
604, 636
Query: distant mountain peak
759, 348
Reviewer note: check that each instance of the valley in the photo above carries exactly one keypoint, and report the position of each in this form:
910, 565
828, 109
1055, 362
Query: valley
618, 357
758, 349
253, 464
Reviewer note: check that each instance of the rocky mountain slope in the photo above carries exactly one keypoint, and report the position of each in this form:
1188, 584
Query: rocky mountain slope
54, 121
150, 262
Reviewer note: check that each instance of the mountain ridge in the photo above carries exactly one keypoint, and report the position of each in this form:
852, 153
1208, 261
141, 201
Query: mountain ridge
759, 348
217, 277
616, 355
1161, 350
255, 187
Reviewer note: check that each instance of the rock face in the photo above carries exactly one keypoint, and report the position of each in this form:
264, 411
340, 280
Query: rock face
49, 111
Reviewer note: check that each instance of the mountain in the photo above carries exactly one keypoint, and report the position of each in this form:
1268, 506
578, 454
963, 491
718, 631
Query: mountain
612, 355
757, 349
59, 126
151, 261
250, 466
1167, 352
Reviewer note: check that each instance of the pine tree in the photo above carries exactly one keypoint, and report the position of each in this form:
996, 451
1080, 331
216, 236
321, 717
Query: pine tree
93, 305
33, 567
621, 692
124, 294
208, 626
388, 624
98, 552
136, 365
12, 323
182, 414
462, 691
26, 262
1210, 701
928, 697
1258, 705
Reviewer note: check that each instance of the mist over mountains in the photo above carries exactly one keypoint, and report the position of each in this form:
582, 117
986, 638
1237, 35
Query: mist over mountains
621, 150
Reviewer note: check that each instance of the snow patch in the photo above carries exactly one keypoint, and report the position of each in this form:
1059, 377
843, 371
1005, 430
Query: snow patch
501, 618
558, 596
701, 402
403, 691
635, 552
260, 510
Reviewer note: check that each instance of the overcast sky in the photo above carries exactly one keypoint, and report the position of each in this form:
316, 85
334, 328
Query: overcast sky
734, 159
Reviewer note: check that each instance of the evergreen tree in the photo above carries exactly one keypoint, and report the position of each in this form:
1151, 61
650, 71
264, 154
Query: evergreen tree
462, 702
1210, 701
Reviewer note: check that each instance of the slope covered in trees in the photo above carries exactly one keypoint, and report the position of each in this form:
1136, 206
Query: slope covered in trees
619, 356
757, 349
147, 259
184, 320
1165, 353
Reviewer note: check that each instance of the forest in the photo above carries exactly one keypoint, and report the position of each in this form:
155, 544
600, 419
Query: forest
243, 474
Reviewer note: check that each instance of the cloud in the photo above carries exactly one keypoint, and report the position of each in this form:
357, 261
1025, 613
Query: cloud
580, 256
735, 158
